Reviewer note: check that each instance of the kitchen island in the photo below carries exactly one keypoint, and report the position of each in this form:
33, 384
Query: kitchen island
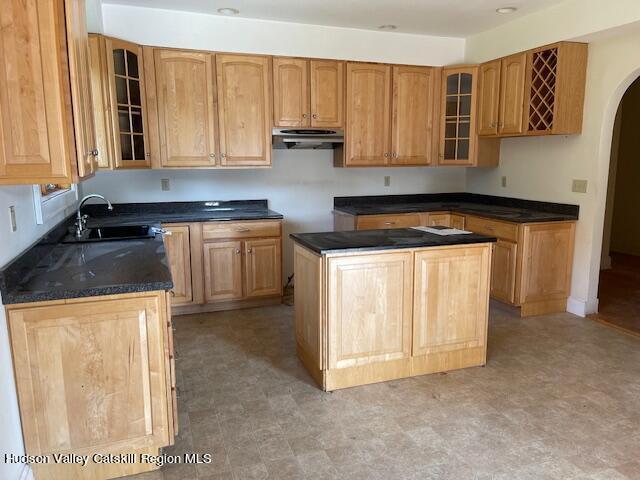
379, 305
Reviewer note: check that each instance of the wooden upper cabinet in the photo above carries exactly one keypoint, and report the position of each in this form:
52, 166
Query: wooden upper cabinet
81, 99
185, 89
125, 69
291, 98
489, 98
367, 138
244, 109
413, 115
100, 99
327, 93
458, 129
66, 356
554, 89
513, 70
37, 143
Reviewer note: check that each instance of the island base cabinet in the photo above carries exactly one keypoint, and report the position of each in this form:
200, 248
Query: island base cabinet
369, 317
94, 377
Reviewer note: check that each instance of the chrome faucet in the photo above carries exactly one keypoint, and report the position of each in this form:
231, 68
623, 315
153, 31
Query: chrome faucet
81, 220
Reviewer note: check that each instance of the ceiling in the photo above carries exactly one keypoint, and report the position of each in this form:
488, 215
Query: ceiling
452, 18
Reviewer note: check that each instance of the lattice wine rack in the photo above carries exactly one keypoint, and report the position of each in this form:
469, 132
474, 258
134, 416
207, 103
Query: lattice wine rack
544, 74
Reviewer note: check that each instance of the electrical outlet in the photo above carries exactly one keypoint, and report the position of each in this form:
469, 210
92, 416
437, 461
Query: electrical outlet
165, 184
12, 218
503, 181
579, 186
387, 181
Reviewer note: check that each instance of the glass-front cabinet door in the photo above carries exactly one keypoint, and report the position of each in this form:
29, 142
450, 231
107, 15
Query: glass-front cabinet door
126, 88
458, 136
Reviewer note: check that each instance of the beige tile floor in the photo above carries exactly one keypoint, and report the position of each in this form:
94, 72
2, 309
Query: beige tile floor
558, 399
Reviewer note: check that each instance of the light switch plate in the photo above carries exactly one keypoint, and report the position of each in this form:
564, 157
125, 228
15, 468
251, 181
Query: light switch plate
579, 186
12, 218
165, 184
387, 181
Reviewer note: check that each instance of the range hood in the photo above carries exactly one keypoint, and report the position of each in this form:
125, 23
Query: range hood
307, 138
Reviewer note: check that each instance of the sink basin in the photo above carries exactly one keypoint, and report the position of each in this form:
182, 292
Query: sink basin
101, 234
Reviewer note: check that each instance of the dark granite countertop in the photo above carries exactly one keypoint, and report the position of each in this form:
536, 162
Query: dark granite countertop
498, 208
178, 212
52, 270
389, 239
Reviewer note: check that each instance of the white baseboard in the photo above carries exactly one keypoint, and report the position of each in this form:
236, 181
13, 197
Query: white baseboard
26, 473
581, 307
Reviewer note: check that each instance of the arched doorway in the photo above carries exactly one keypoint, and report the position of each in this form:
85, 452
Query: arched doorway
619, 279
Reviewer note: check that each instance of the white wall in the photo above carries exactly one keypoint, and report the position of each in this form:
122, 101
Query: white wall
572, 19
11, 244
212, 32
300, 185
543, 168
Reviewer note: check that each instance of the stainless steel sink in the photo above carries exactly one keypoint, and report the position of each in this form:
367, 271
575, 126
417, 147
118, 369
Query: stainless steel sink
101, 234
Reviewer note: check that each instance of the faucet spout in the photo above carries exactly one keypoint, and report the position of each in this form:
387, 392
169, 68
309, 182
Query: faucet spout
81, 220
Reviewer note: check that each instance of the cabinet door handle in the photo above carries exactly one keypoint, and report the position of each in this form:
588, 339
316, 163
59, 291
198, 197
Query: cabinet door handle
305, 115
223, 155
243, 230
315, 115
212, 155
237, 251
389, 223
395, 155
249, 250
147, 154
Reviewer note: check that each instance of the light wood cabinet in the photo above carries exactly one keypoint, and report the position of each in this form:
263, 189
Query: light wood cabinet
512, 80
127, 95
378, 329
263, 267
92, 375
177, 244
368, 107
364, 317
538, 92
327, 93
387, 128
185, 90
37, 110
223, 271
503, 271
459, 142
489, 98
81, 95
244, 109
440, 324
291, 96
375, 222
457, 221
308, 93
102, 115
414, 113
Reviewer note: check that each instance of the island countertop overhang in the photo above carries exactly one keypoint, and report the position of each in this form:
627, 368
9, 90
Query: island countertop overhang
324, 243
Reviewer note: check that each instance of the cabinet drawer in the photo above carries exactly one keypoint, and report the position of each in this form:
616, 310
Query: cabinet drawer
374, 222
216, 230
506, 231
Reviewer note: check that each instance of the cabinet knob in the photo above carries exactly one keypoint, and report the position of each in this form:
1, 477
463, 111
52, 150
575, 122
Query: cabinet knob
223, 155
305, 115
394, 155
389, 223
172, 293
212, 155
249, 250
147, 154
237, 251
315, 115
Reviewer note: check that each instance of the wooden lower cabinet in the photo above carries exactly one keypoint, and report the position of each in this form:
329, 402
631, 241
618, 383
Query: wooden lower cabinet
450, 303
222, 271
532, 262
224, 265
94, 376
375, 316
